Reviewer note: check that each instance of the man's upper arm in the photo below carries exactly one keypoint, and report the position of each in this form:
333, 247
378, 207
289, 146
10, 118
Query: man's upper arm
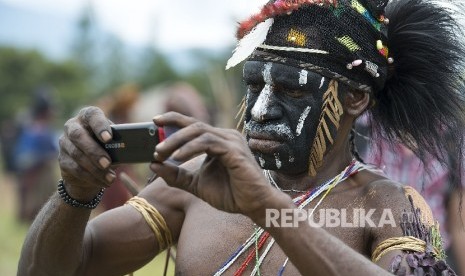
412, 244
120, 240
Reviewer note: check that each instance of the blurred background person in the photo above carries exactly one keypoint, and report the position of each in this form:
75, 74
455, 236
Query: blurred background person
35, 155
9, 132
185, 99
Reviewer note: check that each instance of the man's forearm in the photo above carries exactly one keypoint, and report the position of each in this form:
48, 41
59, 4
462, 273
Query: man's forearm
316, 252
54, 244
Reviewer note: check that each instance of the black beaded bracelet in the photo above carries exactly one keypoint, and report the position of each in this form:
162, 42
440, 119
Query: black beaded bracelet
75, 203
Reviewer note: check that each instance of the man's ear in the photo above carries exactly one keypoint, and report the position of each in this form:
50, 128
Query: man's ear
356, 102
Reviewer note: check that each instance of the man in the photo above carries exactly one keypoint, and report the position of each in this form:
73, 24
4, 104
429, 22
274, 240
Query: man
35, 152
314, 69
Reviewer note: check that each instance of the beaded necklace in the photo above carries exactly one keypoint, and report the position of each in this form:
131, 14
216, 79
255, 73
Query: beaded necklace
260, 236
272, 181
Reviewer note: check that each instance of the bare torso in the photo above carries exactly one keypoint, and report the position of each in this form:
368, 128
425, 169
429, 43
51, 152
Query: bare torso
209, 237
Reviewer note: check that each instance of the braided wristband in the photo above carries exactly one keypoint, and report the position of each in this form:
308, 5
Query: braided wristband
75, 203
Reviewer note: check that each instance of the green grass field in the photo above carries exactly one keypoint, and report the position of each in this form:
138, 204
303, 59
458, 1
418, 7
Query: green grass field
11, 238
12, 235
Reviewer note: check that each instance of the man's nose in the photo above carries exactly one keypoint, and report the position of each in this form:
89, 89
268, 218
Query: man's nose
266, 107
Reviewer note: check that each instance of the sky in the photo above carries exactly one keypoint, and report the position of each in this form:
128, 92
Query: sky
169, 25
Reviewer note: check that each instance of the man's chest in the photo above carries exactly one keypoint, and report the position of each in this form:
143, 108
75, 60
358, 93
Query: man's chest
213, 241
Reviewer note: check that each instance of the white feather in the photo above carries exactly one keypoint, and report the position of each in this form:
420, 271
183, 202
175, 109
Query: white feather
249, 43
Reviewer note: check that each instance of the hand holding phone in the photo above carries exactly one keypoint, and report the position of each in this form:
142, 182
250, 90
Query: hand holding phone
135, 142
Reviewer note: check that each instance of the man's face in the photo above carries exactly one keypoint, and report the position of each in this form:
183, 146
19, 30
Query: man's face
283, 106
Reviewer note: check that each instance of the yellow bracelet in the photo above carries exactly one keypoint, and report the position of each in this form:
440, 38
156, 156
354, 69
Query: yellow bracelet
154, 219
407, 243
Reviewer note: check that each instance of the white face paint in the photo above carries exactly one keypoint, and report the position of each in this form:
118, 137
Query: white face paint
291, 158
302, 118
303, 77
278, 161
262, 162
261, 105
279, 129
322, 82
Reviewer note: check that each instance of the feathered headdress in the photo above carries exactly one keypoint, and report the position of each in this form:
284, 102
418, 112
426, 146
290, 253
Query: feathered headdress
341, 39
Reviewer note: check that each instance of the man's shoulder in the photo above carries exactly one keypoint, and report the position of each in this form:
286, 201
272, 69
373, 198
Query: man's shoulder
384, 191
409, 215
401, 202
400, 199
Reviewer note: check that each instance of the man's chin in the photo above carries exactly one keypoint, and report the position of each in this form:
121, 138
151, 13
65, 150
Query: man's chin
278, 162
266, 147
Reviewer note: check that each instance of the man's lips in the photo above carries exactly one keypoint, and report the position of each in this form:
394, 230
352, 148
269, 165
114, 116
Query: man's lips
264, 143
264, 136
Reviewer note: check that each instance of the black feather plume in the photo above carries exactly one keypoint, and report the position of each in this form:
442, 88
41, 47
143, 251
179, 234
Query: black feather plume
422, 104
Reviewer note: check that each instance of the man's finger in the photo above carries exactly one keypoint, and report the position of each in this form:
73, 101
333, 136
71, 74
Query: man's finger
94, 119
176, 176
69, 166
69, 150
174, 118
187, 134
83, 140
206, 143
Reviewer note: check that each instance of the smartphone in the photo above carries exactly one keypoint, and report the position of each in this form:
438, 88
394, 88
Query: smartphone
135, 142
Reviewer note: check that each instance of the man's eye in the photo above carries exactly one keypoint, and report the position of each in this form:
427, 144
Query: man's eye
294, 93
255, 88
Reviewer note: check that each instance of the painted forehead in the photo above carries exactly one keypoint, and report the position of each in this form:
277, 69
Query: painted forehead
280, 73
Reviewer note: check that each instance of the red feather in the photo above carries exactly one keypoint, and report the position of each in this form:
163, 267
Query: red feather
279, 7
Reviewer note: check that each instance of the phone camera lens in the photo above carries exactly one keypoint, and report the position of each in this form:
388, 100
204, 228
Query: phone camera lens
152, 132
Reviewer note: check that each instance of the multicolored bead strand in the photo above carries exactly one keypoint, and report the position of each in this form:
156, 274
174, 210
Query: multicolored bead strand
262, 236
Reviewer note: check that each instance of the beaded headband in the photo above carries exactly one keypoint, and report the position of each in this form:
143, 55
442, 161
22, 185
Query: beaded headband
343, 40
